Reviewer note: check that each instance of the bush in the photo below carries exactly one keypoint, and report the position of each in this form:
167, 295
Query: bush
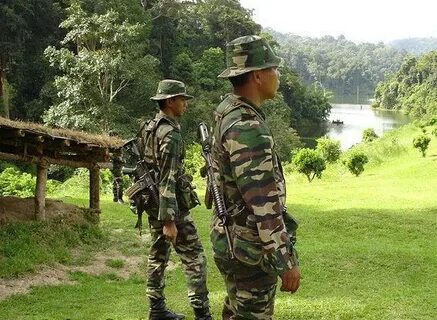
355, 161
21, 184
432, 121
329, 149
421, 142
194, 159
60, 173
310, 163
369, 135
15, 183
434, 131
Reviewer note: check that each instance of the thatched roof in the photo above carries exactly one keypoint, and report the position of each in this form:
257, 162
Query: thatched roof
32, 142
78, 136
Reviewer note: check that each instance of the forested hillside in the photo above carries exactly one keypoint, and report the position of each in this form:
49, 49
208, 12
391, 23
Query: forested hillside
341, 66
97, 70
415, 46
413, 89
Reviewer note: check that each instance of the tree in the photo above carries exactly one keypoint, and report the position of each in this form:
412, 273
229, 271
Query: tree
226, 20
206, 69
355, 161
277, 117
369, 135
108, 56
330, 149
310, 163
421, 142
23, 38
412, 89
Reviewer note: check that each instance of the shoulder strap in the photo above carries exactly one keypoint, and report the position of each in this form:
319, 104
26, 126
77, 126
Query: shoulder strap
236, 104
148, 131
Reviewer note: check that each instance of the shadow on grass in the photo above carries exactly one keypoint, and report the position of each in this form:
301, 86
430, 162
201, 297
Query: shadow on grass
356, 264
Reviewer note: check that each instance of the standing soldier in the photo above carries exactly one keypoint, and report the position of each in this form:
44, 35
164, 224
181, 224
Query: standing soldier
117, 182
249, 173
171, 222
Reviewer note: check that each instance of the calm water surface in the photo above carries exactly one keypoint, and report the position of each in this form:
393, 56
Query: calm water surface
356, 118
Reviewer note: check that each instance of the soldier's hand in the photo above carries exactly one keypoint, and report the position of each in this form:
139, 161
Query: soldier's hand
170, 231
291, 280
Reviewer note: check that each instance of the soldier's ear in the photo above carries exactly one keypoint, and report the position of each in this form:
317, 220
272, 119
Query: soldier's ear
256, 76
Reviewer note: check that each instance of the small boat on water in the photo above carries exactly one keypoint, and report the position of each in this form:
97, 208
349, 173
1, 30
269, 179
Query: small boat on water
337, 121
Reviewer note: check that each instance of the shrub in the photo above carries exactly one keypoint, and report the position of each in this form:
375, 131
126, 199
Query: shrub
310, 163
194, 160
13, 182
434, 131
60, 173
432, 121
16, 183
421, 142
329, 149
355, 161
369, 135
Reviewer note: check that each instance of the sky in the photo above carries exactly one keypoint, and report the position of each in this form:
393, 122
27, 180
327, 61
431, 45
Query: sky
359, 21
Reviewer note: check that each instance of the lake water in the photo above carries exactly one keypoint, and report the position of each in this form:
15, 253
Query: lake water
356, 118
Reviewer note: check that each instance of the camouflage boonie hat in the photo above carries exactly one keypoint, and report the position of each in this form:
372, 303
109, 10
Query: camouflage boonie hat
170, 88
248, 53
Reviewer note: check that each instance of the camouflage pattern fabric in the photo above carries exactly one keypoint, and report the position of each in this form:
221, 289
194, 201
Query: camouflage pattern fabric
190, 251
170, 88
117, 183
249, 173
248, 53
164, 150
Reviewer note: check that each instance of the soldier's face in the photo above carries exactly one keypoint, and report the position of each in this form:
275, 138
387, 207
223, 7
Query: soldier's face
269, 82
178, 105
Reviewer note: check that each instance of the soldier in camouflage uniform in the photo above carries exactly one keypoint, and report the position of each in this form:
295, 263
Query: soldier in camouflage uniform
249, 173
117, 182
171, 222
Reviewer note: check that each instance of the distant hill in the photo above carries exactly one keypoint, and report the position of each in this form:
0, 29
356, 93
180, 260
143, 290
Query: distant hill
351, 71
417, 46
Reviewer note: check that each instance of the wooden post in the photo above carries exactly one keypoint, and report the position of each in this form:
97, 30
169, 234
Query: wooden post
94, 187
40, 190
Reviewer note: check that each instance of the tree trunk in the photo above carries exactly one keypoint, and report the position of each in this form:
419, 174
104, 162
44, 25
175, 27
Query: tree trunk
94, 187
4, 94
40, 192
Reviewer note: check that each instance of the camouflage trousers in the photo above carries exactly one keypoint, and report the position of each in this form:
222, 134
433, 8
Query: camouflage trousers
190, 251
117, 188
250, 290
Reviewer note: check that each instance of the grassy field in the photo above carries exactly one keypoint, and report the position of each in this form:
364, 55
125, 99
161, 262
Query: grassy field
367, 248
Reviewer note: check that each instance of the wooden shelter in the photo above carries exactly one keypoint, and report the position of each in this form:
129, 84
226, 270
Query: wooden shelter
43, 146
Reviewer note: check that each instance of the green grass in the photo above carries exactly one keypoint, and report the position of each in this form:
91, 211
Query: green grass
367, 248
115, 263
25, 245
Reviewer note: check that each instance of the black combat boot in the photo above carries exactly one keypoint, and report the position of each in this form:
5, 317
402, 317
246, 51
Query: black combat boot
158, 311
202, 314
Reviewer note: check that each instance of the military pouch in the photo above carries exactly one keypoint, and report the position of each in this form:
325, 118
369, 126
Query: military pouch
218, 239
247, 245
141, 199
186, 196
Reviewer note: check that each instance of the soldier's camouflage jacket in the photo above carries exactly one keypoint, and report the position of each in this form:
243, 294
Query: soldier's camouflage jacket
250, 176
164, 151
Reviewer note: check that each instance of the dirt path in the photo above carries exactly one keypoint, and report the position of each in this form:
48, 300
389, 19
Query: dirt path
59, 274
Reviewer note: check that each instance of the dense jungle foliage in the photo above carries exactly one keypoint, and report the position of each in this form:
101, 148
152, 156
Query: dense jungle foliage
97, 70
92, 65
339, 65
413, 89
415, 46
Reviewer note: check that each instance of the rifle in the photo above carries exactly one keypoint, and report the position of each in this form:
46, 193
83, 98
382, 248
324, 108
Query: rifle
219, 202
143, 193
